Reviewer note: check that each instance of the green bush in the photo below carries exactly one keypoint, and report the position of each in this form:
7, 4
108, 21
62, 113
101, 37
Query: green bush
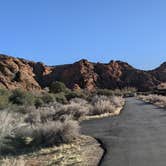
21, 97
4, 98
105, 92
38, 102
127, 91
47, 98
57, 87
61, 98
73, 94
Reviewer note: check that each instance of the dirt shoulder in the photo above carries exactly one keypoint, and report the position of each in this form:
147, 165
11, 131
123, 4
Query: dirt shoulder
84, 151
115, 113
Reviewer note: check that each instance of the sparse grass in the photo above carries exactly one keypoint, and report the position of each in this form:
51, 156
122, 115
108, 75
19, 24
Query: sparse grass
155, 99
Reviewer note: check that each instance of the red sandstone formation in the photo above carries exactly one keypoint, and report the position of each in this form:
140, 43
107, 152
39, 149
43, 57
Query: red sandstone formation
20, 73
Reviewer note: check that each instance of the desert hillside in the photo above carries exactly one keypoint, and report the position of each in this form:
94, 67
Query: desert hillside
20, 73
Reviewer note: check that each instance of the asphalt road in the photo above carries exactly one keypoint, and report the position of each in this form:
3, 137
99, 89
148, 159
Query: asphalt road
135, 138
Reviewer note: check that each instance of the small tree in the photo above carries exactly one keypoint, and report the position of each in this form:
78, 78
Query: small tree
38, 102
21, 97
47, 98
57, 87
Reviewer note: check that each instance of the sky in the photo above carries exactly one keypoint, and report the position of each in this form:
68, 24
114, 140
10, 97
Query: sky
64, 31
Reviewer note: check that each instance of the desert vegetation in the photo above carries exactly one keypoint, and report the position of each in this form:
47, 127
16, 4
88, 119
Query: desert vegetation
154, 99
31, 121
126, 92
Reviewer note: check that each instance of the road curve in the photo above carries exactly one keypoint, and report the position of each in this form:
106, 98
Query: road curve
135, 138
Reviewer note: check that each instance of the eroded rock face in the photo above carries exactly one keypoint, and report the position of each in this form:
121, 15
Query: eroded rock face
20, 73
160, 72
17, 73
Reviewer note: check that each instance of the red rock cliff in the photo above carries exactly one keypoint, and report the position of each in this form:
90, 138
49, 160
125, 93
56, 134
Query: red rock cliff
20, 73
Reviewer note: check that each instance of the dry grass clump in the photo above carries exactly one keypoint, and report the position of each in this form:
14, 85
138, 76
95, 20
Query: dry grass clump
118, 101
57, 111
12, 162
104, 104
47, 134
9, 122
37, 128
5, 128
76, 110
79, 101
155, 99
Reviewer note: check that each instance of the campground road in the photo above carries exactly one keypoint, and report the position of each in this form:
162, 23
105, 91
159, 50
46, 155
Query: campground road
135, 138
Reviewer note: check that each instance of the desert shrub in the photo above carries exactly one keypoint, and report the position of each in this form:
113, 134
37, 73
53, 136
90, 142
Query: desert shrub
38, 102
9, 121
48, 98
4, 98
76, 110
105, 92
75, 94
5, 127
40, 115
97, 98
117, 101
61, 98
103, 104
119, 92
38, 127
129, 91
70, 130
154, 99
21, 97
13, 162
22, 109
57, 87
79, 101
47, 134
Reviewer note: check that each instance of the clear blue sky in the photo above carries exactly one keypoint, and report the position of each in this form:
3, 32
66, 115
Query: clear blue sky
64, 31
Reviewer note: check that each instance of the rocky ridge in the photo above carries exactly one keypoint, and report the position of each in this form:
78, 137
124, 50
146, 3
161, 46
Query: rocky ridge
21, 73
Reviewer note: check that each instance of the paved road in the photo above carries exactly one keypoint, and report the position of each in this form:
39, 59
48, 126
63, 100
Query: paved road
135, 138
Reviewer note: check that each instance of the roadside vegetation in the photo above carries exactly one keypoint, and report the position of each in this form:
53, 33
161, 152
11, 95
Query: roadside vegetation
31, 122
154, 99
126, 92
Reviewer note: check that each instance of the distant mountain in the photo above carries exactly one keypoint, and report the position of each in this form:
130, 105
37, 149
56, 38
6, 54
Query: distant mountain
20, 73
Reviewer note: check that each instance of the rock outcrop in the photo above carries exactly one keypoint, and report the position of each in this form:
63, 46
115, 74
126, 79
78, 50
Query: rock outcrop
20, 73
